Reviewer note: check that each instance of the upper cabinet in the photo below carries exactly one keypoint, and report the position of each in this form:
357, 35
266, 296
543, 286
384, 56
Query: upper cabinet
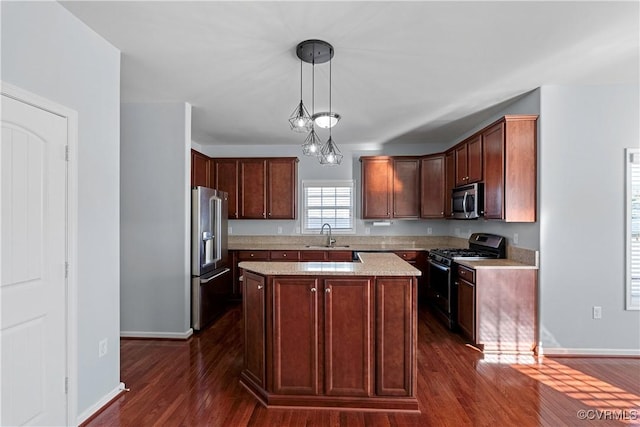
406, 187
449, 180
259, 188
390, 187
510, 169
226, 172
469, 161
433, 192
200, 170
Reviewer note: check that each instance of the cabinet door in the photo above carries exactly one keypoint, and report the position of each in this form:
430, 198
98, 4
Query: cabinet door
432, 200
254, 328
494, 172
395, 335
406, 188
226, 179
376, 188
200, 170
466, 308
474, 159
450, 180
253, 194
461, 165
282, 191
348, 342
295, 335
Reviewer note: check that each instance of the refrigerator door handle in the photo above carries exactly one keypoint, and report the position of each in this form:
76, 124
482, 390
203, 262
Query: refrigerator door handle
207, 235
225, 271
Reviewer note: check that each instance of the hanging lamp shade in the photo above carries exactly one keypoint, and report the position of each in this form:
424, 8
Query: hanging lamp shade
330, 154
300, 120
312, 144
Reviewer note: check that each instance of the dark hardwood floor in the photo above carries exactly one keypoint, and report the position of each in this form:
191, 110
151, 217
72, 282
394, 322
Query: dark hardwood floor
195, 383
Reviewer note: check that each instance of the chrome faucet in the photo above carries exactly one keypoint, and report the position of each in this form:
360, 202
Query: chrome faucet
330, 240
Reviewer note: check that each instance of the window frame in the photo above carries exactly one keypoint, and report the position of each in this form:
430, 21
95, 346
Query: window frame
304, 229
632, 159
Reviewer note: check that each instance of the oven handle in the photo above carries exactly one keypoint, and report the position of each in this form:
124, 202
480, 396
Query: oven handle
439, 266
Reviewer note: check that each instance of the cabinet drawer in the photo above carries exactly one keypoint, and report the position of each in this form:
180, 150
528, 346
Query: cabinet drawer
340, 256
313, 255
285, 255
467, 274
253, 255
407, 255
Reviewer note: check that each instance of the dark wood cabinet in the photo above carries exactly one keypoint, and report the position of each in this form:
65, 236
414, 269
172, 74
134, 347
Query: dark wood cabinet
497, 308
377, 187
200, 170
259, 188
332, 341
449, 181
395, 336
510, 169
406, 187
282, 183
226, 172
466, 302
469, 161
254, 330
390, 187
295, 363
432, 173
253, 189
339, 311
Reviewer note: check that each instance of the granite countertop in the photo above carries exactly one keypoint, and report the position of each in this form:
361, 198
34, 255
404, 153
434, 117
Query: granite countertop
371, 264
380, 247
496, 264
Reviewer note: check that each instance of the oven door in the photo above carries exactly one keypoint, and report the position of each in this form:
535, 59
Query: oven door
440, 284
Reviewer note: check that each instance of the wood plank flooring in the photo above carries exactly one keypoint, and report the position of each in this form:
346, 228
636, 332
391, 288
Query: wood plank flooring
195, 383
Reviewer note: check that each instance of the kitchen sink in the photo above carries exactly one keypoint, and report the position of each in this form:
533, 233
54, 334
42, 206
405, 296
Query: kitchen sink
326, 246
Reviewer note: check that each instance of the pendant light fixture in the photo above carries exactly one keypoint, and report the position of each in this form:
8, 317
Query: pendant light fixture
312, 144
330, 154
300, 120
317, 52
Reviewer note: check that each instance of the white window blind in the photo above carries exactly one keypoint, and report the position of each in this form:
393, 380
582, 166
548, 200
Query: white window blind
633, 228
328, 202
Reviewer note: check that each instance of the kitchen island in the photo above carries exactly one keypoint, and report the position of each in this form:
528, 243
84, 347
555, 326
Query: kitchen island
331, 334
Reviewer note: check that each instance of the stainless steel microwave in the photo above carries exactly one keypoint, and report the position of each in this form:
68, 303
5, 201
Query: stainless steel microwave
467, 202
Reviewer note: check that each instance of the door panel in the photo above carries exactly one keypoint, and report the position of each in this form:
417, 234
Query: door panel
32, 283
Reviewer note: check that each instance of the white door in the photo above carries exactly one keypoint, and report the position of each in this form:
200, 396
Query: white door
32, 270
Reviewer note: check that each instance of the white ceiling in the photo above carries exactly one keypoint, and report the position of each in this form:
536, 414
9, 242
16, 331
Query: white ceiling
402, 71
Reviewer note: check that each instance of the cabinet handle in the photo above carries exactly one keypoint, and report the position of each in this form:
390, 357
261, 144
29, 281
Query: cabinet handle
284, 255
442, 213
313, 289
328, 290
251, 255
260, 287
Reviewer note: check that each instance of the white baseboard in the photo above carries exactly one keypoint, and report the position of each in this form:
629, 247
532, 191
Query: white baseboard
99, 404
604, 352
157, 335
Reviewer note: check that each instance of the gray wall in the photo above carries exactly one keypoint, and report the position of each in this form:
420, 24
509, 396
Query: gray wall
49, 52
155, 219
584, 132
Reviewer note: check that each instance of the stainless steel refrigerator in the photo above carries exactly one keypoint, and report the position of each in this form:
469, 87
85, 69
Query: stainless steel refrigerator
211, 283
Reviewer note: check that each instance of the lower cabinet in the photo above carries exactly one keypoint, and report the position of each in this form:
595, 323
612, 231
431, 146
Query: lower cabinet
323, 341
322, 326
466, 306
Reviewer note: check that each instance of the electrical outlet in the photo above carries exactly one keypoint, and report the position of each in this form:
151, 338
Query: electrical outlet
230, 230
429, 230
279, 230
102, 348
515, 238
367, 230
597, 312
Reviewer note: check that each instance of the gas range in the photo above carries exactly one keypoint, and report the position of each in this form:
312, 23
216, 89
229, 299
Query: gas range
481, 246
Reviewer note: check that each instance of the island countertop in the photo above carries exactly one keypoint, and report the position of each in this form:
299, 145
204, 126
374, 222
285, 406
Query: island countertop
371, 264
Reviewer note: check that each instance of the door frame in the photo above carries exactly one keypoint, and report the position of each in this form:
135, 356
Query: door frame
71, 235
